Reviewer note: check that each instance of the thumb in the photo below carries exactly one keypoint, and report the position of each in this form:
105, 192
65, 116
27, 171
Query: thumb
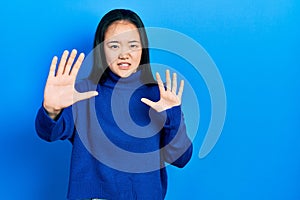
148, 102
85, 95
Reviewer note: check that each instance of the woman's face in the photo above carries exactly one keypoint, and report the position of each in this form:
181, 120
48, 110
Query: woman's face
123, 48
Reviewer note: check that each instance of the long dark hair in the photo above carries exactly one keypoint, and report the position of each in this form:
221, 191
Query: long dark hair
99, 70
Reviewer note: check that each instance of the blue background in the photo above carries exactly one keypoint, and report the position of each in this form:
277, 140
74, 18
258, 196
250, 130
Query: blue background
255, 45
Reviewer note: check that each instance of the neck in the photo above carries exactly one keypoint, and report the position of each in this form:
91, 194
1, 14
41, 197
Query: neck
134, 80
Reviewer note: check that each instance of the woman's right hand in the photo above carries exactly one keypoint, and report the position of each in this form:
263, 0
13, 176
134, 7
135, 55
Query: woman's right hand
60, 89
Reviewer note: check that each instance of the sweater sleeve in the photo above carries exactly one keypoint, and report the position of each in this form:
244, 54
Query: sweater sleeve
51, 130
177, 147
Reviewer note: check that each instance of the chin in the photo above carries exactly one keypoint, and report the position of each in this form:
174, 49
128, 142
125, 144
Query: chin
125, 74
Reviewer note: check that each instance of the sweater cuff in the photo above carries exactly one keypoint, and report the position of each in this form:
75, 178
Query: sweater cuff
48, 121
175, 116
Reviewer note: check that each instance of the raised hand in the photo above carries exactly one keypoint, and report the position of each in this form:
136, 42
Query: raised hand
169, 96
60, 89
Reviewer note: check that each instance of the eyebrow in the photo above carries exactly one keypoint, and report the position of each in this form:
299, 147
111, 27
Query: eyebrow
113, 41
133, 41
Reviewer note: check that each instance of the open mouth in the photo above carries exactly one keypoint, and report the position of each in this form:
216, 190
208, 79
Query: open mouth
124, 65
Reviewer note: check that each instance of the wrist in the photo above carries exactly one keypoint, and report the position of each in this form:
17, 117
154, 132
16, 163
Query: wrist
52, 112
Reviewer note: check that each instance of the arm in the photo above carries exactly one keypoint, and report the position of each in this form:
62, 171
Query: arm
176, 146
59, 129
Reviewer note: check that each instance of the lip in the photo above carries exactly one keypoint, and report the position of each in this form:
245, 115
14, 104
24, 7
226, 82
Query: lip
124, 65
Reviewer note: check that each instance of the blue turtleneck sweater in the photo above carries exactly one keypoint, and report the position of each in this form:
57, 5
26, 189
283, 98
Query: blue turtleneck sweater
119, 144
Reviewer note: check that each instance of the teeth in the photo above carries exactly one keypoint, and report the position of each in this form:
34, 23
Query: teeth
124, 64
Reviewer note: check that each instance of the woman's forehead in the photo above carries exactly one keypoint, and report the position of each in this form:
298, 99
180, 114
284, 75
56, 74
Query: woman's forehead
122, 30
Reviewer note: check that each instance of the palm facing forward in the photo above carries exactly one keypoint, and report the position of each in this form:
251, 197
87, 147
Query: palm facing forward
169, 96
60, 89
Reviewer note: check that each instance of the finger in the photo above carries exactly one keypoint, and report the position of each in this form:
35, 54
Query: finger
77, 65
160, 83
148, 102
70, 62
62, 63
180, 89
85, 95
168, 80
53, 67
174, 82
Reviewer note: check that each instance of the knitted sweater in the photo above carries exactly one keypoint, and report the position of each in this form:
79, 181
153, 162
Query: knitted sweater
119, 144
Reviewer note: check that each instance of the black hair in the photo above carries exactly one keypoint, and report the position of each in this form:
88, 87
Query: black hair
99, 70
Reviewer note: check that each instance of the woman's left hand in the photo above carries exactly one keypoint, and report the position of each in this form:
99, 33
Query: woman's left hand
169, 96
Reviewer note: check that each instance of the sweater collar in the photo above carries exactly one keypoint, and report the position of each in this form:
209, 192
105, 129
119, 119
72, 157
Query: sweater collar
113, 80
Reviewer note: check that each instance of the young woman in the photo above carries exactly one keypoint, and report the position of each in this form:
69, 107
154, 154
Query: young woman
123, 125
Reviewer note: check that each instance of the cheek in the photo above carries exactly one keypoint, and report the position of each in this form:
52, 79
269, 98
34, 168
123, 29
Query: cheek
110, 56
137, 56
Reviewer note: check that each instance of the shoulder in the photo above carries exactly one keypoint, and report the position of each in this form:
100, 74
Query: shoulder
151, 88
84, 85
149, 91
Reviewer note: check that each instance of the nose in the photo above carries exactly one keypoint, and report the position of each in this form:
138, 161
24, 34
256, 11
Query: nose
124, 53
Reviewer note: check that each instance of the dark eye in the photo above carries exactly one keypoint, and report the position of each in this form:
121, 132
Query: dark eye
134, 46
114, 46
